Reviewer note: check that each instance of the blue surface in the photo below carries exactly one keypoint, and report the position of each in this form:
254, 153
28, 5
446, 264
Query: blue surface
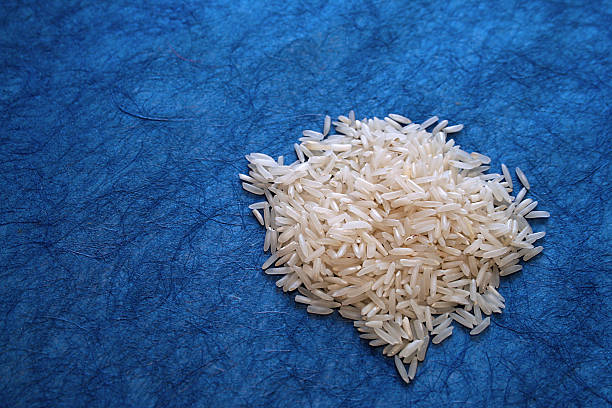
129, 264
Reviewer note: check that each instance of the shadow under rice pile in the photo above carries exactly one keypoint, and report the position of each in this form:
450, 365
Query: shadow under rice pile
395, 227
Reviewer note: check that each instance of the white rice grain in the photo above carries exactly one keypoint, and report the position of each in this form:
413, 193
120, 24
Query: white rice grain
510, 270
326, 125
400, 119
252, 189
413, 367
320, 310
422, 352
533, 252
522, 178
453, 129
538, 214
257, 215
444, 334
410, 348
439, 127
461, 320
520, 196
429, 122
401, 369
507, 176
481, 326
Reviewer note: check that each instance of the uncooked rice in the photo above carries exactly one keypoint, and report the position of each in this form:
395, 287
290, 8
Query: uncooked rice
507, 176
401, 369
395, 227
522, 178
481, 326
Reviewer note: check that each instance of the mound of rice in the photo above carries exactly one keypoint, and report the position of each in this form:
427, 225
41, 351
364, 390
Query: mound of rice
396, 227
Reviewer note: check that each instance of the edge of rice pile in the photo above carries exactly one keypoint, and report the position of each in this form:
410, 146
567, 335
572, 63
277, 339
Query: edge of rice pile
395, 227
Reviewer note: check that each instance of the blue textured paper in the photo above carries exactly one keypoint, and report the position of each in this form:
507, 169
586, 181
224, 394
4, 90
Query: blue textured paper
129, 262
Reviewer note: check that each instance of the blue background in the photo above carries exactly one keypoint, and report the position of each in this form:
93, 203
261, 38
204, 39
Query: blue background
129, 262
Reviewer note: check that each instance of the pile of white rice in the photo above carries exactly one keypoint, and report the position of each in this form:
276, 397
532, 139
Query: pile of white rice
396, 227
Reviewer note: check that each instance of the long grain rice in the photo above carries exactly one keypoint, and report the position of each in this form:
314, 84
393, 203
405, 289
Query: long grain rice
453, 129
413, 367
396, 227
507, 176
522, 178
401, 369
400, 119
443, 335
481, 326
538, 214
